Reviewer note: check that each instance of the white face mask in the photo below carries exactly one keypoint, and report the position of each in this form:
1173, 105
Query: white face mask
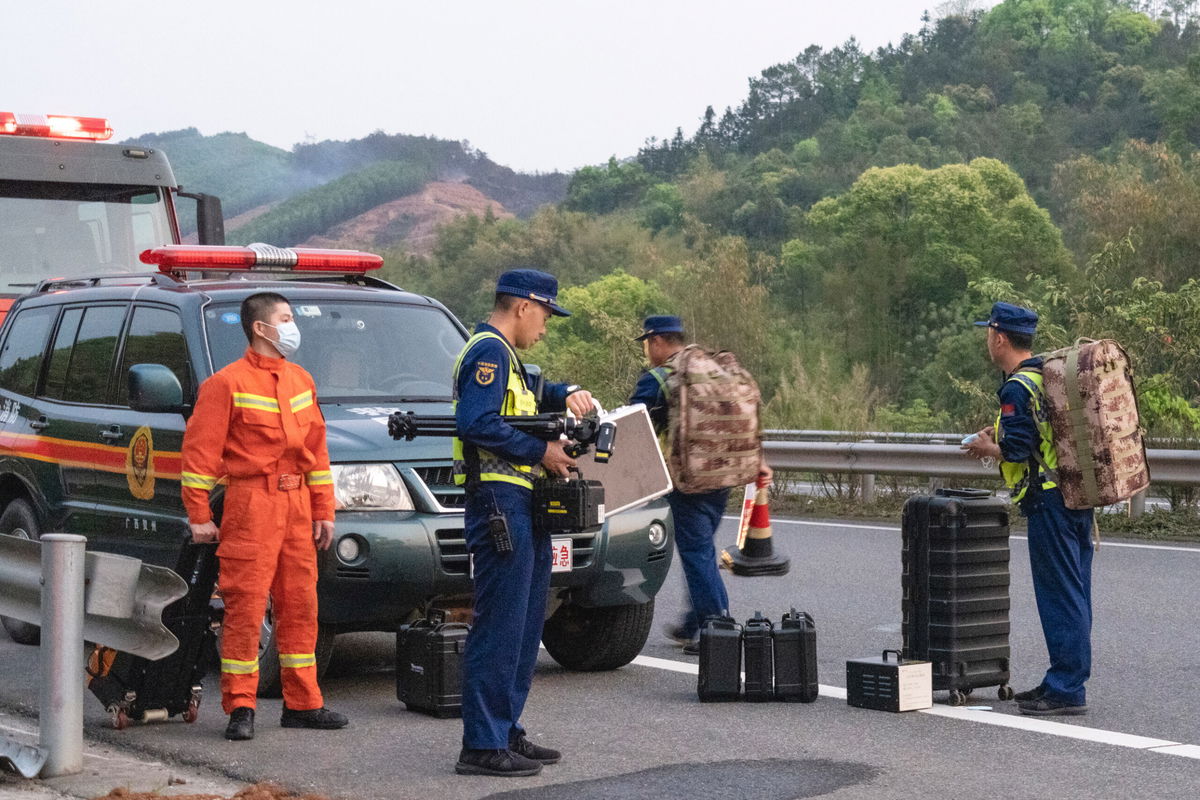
289, 338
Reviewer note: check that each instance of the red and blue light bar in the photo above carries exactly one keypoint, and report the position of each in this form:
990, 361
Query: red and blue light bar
259, 258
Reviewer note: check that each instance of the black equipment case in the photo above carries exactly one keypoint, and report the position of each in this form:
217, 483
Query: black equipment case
795, 658
135, 689
955, 583
570, 506
758, 645
429, 656
888, 685
720, 660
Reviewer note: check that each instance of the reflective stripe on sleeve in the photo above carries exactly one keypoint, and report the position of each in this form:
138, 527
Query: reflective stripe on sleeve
302, 401
319, 477
194, 480
235, 667
297, 660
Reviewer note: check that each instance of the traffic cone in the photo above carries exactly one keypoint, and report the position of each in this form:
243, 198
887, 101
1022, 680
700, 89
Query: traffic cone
756, 556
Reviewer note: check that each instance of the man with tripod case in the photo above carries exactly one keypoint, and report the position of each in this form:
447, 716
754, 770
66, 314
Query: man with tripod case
498, 465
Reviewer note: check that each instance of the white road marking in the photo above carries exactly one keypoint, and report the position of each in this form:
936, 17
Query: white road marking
893, 529
1033, 724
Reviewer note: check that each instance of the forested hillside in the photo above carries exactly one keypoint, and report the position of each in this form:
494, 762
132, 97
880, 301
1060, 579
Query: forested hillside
842, 226
292, 196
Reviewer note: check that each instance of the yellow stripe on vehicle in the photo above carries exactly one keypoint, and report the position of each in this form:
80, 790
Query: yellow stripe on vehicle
235, 667
297, 660
262, 402
194, 480
320, 477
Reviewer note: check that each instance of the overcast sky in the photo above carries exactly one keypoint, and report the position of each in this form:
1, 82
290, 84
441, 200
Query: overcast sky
536, 84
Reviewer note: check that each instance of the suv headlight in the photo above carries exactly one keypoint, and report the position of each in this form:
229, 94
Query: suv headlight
370, 487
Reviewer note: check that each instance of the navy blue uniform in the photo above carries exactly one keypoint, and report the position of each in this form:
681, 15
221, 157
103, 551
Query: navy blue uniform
510, 588
1060, 555
696, 518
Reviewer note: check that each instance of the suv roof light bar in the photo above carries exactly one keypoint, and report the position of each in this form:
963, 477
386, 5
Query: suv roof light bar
259, 258
55, 126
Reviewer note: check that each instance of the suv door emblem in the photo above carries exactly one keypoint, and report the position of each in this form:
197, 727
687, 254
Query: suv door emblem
139, 464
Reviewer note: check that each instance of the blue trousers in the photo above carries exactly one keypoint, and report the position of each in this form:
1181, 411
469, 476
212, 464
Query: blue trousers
510, 607
696, 518
1060, 558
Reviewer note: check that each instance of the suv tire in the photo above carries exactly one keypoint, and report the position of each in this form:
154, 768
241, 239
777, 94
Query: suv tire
602, 638
19, 520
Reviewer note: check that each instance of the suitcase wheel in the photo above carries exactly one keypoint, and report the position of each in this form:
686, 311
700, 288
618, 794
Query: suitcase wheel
1005, 692
192, 712
957, 698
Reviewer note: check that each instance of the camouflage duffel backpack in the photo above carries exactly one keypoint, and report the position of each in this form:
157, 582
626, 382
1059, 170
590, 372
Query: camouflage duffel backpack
714, 440
1092, 408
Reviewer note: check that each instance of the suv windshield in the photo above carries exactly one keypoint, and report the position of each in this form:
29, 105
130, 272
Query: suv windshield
64, 230
358, 350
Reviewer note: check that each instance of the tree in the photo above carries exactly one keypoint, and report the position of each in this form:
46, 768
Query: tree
906, 241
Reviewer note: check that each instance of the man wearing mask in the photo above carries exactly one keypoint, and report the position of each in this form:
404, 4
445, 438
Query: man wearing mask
257, 423
498, 465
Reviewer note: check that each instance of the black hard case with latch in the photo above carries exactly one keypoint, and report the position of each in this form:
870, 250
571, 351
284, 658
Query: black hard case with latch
955, 606
429, 657
720, 660
758, 649
796, 658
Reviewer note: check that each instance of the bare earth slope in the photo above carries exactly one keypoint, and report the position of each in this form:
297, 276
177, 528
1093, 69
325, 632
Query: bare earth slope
410, 222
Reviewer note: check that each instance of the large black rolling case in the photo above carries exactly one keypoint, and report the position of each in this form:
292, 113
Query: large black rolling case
135, 689
955, 579
429, 655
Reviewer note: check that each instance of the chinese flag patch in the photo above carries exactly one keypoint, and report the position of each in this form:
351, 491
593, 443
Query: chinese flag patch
1008, 410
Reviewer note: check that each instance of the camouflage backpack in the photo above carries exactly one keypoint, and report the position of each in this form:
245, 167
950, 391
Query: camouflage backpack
714, 439
1092, 408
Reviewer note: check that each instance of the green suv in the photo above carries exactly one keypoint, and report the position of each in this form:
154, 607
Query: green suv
82, 453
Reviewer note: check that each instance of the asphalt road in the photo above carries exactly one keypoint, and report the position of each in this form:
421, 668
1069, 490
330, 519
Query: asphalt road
640, 732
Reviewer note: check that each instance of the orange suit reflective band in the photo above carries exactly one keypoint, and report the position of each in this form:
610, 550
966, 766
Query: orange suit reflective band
258, 425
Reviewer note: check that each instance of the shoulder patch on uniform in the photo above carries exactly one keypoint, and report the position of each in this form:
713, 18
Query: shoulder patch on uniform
485, 373
1008, 410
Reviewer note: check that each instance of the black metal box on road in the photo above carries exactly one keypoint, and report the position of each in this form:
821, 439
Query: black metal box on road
758, 643
720, 660
889, 685
796, 658
955, 558
429, 659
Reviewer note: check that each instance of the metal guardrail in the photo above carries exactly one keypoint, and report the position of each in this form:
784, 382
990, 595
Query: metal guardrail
781, 434
1179, 467
76, 596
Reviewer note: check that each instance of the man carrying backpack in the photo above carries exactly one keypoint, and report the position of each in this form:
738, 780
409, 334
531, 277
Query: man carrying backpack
696, 513
1060, 545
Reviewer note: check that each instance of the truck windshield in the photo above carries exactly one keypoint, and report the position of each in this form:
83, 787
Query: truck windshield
65, 230
358, 350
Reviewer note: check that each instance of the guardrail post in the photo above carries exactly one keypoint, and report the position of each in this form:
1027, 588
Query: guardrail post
60, 706
1137, 505
867, 483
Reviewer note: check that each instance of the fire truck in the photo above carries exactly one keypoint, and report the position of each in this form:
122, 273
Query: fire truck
72, 204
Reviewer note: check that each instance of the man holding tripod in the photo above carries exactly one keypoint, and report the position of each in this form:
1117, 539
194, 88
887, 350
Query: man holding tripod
498, 465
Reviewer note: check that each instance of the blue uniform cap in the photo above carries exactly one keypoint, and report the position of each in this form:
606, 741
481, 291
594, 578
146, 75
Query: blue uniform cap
532, 285
663, 323
1011, 318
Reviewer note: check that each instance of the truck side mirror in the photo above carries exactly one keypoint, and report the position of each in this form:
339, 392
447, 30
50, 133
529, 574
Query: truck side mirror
154, 389
210, 221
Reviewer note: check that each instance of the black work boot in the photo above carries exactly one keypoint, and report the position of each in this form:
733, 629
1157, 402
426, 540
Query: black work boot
319, 718
500, 763
1030, 695
241, 725
523, 747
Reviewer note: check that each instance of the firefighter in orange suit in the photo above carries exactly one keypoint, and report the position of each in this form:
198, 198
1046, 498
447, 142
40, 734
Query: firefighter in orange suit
257, 423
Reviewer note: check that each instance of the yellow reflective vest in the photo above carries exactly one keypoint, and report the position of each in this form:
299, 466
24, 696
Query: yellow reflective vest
1016, 475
